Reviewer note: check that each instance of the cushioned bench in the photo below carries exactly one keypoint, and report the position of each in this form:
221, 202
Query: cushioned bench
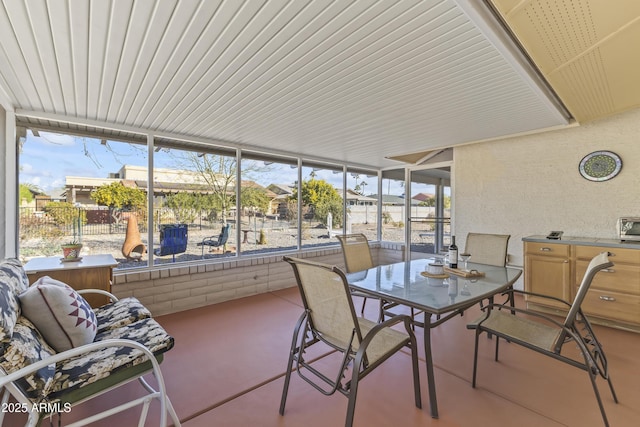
56, 350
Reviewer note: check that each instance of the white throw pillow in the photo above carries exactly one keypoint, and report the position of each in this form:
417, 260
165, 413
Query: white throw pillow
62, 316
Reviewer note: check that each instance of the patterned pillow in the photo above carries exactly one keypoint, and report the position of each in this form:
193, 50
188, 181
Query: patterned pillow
62, 316
13, 281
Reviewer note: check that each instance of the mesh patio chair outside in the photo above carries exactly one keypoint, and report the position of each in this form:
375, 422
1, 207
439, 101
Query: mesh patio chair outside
547, 336
216, 241
329, 317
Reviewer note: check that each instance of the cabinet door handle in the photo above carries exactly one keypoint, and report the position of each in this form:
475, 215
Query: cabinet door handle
608, 270
607, 298
545, 249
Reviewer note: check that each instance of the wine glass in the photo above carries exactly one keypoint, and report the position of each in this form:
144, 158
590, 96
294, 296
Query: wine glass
465, 258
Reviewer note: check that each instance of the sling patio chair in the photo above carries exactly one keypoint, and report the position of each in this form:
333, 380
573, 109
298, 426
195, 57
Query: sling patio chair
547, 336
488, 249
357, 257
216, 241
329, 317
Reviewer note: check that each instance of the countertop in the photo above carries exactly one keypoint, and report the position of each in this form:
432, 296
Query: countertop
584, 241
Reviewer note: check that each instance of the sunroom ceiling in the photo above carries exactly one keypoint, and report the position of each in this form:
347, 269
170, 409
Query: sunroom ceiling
351, 81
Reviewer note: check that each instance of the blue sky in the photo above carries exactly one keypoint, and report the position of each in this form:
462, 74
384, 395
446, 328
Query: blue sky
46, 159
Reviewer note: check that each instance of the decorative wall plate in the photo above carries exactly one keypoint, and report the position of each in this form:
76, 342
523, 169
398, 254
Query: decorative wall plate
600, 165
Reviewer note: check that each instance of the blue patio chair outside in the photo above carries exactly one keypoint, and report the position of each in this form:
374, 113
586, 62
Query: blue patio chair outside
173, 240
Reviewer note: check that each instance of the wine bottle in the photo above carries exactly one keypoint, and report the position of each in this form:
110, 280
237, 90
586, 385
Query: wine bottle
453, 253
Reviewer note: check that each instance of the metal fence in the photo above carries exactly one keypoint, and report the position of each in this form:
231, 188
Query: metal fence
69, 223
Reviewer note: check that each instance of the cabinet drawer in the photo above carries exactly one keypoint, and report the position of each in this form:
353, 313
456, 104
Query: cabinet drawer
612, 305
548, 249
631, 256
619, 278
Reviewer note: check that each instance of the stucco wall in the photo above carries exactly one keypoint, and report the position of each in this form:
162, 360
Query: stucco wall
531, 185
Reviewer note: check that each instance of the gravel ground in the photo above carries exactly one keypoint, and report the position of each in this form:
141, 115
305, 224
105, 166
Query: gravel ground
276, 238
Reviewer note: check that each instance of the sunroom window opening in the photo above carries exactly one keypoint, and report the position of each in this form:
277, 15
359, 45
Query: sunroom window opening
393, 205
194, 202
85, 189
430, 210
362, 202
268, 209
323, 215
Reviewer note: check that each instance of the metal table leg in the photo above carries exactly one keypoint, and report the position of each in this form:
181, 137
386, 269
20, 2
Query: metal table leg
431, 381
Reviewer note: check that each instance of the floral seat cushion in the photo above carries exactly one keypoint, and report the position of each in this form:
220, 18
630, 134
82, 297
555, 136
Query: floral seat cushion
80, 371
13, 281
27, 346
120, 313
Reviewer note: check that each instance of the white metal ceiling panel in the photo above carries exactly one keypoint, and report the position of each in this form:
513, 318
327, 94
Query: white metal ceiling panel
350, 81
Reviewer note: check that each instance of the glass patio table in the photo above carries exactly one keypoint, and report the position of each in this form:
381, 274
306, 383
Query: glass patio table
403, 283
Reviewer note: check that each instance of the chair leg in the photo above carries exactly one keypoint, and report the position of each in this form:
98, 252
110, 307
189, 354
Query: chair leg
353, 391
592, 377
364, 302
497, 342
292, 352
613, 392
173, 414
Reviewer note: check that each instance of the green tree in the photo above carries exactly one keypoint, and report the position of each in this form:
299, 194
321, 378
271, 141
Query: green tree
64, 213
26, 192
184, 206
217, 171
322, 198
430, 202
116, 195
254, 197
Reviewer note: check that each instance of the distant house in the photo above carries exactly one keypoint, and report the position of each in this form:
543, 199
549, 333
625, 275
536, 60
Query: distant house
280, 203
78, 189
423, 197
356, 199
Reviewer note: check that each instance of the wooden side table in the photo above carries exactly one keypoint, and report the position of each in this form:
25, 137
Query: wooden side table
91, 272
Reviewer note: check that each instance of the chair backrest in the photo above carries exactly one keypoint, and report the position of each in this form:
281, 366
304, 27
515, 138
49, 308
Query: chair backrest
326, 297
489, 249
224, 235
173, 238
356, 251
598, 263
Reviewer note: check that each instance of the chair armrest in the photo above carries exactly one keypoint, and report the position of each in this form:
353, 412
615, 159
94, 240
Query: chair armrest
111, 296
523, 311
206, 241
517, 291
392, 321
384, 325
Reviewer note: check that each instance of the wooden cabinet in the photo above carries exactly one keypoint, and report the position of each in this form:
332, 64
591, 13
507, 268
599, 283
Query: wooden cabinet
557, 268
615, 291
92, 272
547, 271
